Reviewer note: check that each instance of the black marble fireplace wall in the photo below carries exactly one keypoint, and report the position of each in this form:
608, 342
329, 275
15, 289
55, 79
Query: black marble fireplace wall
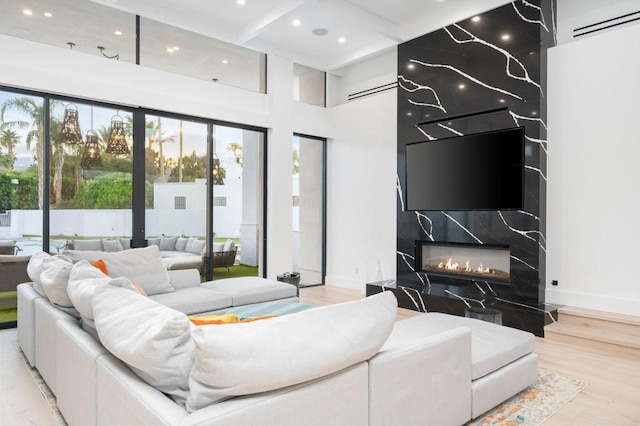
486, 62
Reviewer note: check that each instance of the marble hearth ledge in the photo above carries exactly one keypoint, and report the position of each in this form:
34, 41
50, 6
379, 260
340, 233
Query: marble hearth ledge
454, 300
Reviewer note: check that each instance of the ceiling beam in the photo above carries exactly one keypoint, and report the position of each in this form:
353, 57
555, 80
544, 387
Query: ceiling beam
384, 27
255, 28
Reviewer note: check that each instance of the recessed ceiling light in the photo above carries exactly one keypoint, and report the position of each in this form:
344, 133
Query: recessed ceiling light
506, 37
173, 49
342, 40
501, 101
170, 49
411, 66
48, 14
27, 12
118, 32
476, 19
176, 48
241, 2
409, 114
461, 86
320, 31
296, 22
224, 61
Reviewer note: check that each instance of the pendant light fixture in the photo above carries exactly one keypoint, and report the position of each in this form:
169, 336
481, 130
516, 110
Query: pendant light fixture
91, 156
70, 132
117, 144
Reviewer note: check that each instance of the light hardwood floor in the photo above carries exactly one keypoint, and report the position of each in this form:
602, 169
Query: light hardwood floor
611, 398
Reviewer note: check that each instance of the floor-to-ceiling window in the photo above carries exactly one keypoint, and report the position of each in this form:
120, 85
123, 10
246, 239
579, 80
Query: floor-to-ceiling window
175, 182
94, 176
238, 198
90, 177
22, 182
308, 201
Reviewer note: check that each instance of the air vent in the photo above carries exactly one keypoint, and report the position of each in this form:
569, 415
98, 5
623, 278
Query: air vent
606, 24
372, 91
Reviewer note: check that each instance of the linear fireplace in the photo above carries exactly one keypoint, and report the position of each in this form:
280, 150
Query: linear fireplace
482, 262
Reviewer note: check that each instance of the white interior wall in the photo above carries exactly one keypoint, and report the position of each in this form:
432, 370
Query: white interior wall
361, 183
573, 14
592, 194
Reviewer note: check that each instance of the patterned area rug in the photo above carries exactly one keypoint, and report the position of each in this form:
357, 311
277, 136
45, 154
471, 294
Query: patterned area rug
535, 404
44, 389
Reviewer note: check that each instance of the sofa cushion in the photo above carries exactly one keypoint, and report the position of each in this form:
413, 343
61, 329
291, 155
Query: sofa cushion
87, 245
111, 245
168, 243
51, 273
84, 280
153, 340
194, 300
492, 346
218, 247
153, 241
195, 246
181, 243
142, 265
247, 290
183, 261
125, 243
246, 358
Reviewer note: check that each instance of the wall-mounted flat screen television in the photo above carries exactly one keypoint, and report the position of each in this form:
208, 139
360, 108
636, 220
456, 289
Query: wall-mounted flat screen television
483, 171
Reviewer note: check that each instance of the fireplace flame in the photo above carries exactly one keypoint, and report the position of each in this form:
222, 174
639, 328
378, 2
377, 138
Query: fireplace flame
455, 266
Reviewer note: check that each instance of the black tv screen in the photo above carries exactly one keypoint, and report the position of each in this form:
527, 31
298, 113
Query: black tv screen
483, 171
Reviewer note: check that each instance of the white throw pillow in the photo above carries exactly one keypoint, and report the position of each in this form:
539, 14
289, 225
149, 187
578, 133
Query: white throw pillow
153, 241
84, 280
152, 339
52, 274
141, 265
125, 243
197, 247
246, 358
218, 247
111, 245
229, 245
168, 243
181, 243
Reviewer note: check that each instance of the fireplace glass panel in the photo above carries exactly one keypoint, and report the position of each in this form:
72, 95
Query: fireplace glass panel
465, 261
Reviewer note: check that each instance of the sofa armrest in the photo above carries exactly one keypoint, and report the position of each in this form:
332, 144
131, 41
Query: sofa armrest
426, 380
184, 278
125, 400
27, 321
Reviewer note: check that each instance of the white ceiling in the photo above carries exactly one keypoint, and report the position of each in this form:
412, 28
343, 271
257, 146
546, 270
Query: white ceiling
369, 26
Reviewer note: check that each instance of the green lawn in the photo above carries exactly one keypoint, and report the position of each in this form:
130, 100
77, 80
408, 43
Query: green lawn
235, 271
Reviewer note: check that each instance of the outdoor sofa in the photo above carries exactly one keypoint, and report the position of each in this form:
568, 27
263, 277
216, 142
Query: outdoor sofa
117, 357
176, 252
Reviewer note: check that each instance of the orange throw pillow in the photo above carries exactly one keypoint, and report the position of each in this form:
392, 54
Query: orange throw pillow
138, 287
223, 319
100, 265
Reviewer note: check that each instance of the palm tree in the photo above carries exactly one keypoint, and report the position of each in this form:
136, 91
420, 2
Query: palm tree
9, 139
33, 122
236, 149
158, 136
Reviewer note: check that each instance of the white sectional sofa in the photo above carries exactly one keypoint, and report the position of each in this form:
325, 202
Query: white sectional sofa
342, 364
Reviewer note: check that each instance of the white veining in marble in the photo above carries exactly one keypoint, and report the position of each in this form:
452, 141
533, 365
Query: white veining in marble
403, 82
470, 77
